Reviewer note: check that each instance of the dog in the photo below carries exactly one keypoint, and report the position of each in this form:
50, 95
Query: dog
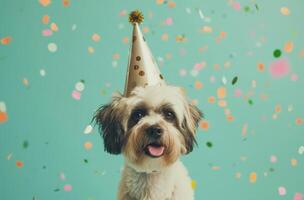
151, 128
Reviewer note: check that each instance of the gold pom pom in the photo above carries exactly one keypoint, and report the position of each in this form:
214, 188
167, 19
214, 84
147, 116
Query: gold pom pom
136, 17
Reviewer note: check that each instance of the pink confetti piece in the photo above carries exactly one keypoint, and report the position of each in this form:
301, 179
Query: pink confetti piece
238, 92
244, 130
273, 159
67, 187
182, 72
76, 95
282, 191
279, 68
236, 5
298, 196
47, 32
62, 176
169, 21
294, 77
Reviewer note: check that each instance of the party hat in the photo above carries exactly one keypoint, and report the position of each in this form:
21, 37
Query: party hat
142, 68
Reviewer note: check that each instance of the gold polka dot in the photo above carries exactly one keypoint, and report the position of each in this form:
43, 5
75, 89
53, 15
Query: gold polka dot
134, 38
138, 58
161, 76
141, 73
136, 67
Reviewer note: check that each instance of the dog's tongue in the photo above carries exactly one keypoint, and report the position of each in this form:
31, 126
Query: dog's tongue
155, 150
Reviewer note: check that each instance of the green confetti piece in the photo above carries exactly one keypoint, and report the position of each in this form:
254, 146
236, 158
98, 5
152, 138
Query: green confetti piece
85, 161
25, 144
234, 80
250, 102
247, 8
56, 190
277, 53
256, 6
209, 144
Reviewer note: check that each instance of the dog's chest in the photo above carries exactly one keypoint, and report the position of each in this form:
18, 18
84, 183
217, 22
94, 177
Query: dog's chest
150, 186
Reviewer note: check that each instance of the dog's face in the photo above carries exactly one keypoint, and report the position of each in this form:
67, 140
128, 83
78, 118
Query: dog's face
151, 128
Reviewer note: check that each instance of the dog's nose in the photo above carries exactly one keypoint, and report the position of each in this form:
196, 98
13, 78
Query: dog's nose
155, 132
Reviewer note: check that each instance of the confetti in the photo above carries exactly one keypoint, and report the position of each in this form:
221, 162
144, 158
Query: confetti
52, 47
198, 85
79, 86
221, 92
42, 72
54, 27
301, 150
253, 177
19, 164
206, 29
234, 80
209, 144
288, 47
193, 184
273, 159
67, 187
282, 191
45, 2
293, 162
298, 196
250, 101
169, 21
88, 129
3, 114
96, 37
6, 40
299, 121
66, 3
91, 50
285, 11
277, 53
25, 144
88, 145
47, 32
76, 95
45, 19
279, 68
204, 124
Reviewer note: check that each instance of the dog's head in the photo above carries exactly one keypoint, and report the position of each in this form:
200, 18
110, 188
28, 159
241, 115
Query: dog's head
151, 128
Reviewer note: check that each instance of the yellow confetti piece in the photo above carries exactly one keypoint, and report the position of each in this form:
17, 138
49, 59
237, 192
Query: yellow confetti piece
54, 27
25, 82
193, 184
45, 2
204, 124
293, 162
253, 177
91, 50
6, 40
45, 19
285, 11
288, 47
96, 37
221, 92
88, 145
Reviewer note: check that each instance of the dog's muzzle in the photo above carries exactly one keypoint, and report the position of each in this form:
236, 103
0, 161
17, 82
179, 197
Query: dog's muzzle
155, 148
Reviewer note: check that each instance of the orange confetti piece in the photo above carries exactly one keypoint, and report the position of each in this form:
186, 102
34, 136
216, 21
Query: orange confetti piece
45, 2
116, 56
54, 27
159, 1
253, 177
204, 124
293, 162
66, 3
45, 19
222, 103
171, 4
230, 117
285, 11
88, 145
198, 85
3, 117
211, 99
96, 37
299, 121
288, 47
165, 37
221, 92
206, 29
125, 40
260, 67
145, 29
278, 108
6, 40
19, 163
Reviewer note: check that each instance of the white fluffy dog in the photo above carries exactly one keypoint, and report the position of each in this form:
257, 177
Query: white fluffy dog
152, 128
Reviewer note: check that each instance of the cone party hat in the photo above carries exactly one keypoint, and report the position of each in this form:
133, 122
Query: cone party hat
142, 68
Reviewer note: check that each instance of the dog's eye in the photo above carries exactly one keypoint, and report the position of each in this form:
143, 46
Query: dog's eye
169, 115
138, 114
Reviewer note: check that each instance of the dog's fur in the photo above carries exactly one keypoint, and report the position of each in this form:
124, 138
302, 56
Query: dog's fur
125, 124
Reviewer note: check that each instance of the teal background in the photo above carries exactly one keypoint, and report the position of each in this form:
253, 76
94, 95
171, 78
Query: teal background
45, 126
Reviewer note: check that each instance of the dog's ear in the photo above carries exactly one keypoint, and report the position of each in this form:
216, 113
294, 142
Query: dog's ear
189, 125
109, 118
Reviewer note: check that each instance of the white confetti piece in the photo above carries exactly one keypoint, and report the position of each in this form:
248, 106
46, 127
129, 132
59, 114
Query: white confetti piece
74, 27
188, 10
42, 72
194, 73
224, 80
2, 106
290, 108
201, 14
301, 150
79, 86
88, 129
114, 63
52, 47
